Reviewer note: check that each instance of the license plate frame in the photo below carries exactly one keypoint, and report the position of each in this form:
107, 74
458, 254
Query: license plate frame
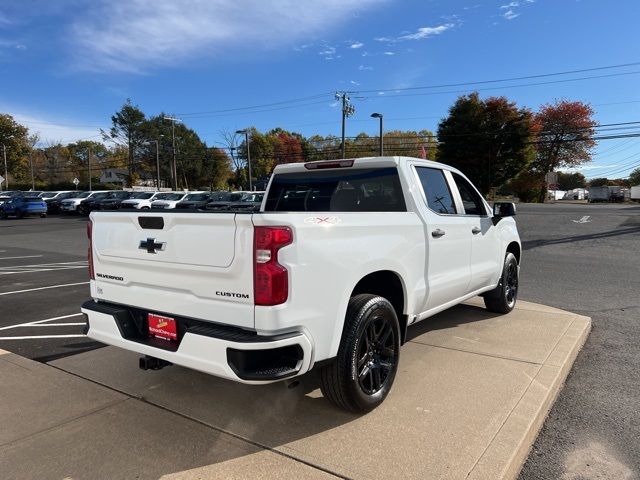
163, 327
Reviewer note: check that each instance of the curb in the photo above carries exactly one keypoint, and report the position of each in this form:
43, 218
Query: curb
501, 460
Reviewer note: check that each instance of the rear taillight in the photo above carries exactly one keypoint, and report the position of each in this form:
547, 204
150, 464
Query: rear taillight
92, 274
270, 279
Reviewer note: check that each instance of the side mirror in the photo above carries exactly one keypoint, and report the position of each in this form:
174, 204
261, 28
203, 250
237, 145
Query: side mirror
503, 209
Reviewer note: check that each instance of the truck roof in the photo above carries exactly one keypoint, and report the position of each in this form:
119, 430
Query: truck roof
363, 162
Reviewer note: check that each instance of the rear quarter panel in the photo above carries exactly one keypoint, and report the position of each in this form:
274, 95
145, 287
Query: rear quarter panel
330, 253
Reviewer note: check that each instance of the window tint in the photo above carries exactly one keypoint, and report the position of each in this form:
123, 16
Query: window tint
436, 190
344, 190
472, 202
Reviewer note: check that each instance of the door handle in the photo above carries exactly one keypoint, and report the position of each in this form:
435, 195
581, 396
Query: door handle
476, 230
437, 233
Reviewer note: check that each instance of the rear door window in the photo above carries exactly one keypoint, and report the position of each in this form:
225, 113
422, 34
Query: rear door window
353, 190
436, 190
473, 204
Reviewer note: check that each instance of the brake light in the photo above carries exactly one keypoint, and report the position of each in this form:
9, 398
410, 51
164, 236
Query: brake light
92, 275
324, 164
270, 279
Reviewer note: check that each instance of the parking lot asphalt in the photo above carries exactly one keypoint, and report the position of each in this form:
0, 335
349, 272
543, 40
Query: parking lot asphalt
581, 258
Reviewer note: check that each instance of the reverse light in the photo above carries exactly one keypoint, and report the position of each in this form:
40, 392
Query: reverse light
270, 279
92, 274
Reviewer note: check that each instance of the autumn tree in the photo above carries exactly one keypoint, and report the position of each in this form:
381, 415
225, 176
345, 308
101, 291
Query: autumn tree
634, 177
14, 139
490, 140
565, 138
599, 182
569, 181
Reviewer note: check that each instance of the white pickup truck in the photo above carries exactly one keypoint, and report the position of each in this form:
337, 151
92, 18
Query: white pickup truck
341, 258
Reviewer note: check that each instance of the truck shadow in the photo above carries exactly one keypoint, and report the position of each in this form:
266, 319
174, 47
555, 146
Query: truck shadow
530, 244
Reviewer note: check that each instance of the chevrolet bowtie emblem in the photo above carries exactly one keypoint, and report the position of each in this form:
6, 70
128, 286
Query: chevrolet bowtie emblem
151, 246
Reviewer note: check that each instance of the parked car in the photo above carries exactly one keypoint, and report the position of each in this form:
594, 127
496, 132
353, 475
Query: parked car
32, 193
168, 200
54, 202
90, 203
249, 201
222, 200
140, 200
194, 201
113, 201
71, 204
23, 207
341, 259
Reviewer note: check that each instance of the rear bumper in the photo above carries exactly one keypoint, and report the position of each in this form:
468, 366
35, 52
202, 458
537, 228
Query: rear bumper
217, 350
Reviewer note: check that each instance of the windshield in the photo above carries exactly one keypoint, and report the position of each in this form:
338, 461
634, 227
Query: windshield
143, 195
48, 194
252, 197
83, 195
62, 196
196, 197
170, 196
99, 196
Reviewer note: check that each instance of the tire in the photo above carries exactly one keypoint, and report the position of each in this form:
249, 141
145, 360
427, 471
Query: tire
362, 374
145, 208
19, 214
43, 215
503, 298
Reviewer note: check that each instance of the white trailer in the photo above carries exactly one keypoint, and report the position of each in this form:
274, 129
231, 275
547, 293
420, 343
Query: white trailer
635, 193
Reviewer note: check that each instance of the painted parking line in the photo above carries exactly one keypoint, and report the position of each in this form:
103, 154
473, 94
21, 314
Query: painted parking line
23, 256
44, 288
39, 337
40, 325
43, 267
41, 321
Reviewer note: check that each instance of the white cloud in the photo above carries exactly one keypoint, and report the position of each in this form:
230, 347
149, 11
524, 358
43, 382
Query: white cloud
136, 35
383, 39
353, 82
509, 6
356, 45
389, 53
51, 131
364, 67
510, 14
426, 32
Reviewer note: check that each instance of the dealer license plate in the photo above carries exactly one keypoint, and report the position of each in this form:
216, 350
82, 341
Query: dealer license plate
162, 327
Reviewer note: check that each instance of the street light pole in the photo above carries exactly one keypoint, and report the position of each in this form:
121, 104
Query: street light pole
33, 183
246, 142
174, 168
347, 111
379, 116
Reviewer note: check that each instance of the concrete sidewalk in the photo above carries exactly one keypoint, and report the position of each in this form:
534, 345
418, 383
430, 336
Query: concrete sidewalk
471, 393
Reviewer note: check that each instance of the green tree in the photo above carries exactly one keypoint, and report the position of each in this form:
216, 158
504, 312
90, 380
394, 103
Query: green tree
128, 129
599, 182
14, 139
489, 140
634, 177
569, 181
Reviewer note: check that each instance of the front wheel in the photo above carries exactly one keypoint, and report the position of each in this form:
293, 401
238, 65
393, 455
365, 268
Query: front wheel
503, 298
362, 374
19, 214
43, 215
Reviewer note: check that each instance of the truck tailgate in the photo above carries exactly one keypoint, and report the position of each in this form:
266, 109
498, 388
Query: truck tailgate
198, 265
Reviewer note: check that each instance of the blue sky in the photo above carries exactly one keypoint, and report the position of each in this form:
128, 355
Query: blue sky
67, 65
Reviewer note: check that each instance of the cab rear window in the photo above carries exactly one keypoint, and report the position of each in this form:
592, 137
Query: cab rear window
357, 190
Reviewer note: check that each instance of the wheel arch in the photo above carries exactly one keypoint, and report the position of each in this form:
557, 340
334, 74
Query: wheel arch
387, 284
514, 247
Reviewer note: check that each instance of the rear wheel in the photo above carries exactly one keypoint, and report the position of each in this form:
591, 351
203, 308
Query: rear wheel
503, 298
363, 372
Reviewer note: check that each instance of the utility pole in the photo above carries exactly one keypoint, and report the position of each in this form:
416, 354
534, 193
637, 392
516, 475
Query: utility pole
174, 168
246, 142
6, 172
33, 184
89, 164
347, 111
